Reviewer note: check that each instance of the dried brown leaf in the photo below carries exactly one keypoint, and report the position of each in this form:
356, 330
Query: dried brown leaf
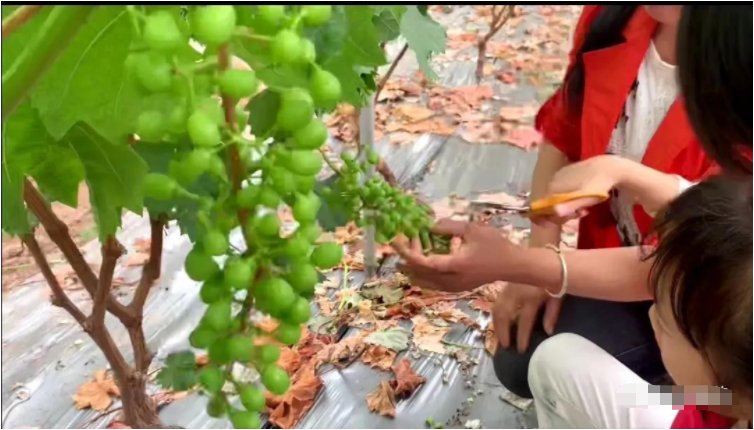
97, 393
287, 410
406, 379
382, 400
428, 336
378, 357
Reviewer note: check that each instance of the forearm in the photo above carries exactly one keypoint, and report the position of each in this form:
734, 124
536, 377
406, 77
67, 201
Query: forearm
616, 274
651, 188
550, 160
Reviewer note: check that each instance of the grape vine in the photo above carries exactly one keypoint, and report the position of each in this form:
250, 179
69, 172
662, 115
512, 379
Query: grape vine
215, 148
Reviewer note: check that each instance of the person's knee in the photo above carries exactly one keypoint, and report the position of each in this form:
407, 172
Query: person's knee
511, 369
554, 359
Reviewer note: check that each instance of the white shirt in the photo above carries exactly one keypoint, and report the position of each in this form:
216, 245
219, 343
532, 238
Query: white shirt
647, 103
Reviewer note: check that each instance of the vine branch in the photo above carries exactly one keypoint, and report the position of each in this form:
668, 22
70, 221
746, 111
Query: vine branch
500, 15
59, 297
58, 232
152, 269
18, 18
390, 71
111, 252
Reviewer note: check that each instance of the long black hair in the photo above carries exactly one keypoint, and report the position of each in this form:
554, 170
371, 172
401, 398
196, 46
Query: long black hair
702, 269
605, 30
715, 74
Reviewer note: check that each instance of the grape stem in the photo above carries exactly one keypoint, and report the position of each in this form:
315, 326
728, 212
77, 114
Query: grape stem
249, 35
134, 15
18, 18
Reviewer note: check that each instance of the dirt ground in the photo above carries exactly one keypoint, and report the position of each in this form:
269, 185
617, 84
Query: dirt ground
18, 265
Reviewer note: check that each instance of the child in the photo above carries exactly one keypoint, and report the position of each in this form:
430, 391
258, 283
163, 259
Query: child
702, 320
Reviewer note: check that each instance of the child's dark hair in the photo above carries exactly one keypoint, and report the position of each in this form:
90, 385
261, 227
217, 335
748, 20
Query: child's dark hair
703, 265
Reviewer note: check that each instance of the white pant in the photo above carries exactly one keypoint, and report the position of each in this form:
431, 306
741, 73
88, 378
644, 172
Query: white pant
576, 384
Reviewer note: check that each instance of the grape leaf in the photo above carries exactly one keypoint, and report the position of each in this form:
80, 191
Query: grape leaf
387, 21
395, 338
332, 213
18, 40
424, 36
263, 109
87, 81
179, 372
113, 173
328, 38
59, 175
14, 216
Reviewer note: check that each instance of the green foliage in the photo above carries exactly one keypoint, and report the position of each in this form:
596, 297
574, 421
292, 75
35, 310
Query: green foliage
129, 106
179, 372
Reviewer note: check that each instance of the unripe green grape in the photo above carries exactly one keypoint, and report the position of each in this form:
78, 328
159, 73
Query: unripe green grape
315, 15
245, 420
202, 337
247, 197
296, 247
310, 232
324, 88
159, 187
296, 109
299, 313
286, 47
267, 354
216, 406
309, 54
161, 32
218, 352
238, 83
251, 398
200, 266
275, 296
283, 181
237, 274
217, 167
202, 130
197, 162
217, 316
303, 277
275, 379
268, 197
154, 72
305, 184
212, 378
213, 25
288, 334
177, 119
306, 207
305, 162
327, 255
266, 226
240, 348
312, 136
150, 125
213, 109
212, 291
271, 14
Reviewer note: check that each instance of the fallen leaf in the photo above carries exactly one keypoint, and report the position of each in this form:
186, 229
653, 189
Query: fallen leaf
517, 114
427, 336
382, 400
412, 113
481, 132
481, 305
437, 126
490, 339
287, 410
118, 425
406, 379
505, 76
202, 360
395, 338
325, 306
97, 393
450, 313
267, 325
378, 357
524, 137
341, 353
289, 360
136, 259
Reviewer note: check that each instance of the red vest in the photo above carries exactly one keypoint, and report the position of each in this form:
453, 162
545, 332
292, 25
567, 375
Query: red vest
609, 74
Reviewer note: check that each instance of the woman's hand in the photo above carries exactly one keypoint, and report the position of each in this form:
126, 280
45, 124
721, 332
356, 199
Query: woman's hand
478, 256
517, 305
595, 175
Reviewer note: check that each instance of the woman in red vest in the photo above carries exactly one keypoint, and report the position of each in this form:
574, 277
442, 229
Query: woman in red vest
619, 97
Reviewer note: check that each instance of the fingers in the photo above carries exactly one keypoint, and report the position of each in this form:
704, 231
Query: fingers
572, 208
501, 320
551, 314
524, 325
449, 227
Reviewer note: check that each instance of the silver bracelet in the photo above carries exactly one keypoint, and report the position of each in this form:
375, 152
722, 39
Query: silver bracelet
563, 270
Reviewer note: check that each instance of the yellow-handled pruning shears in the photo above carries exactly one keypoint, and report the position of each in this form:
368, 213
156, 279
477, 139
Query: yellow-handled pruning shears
544, 206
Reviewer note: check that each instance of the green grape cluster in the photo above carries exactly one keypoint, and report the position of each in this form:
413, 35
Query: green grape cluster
274, 275
375, 201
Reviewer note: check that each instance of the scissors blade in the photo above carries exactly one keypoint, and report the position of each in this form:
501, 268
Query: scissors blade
499, 207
